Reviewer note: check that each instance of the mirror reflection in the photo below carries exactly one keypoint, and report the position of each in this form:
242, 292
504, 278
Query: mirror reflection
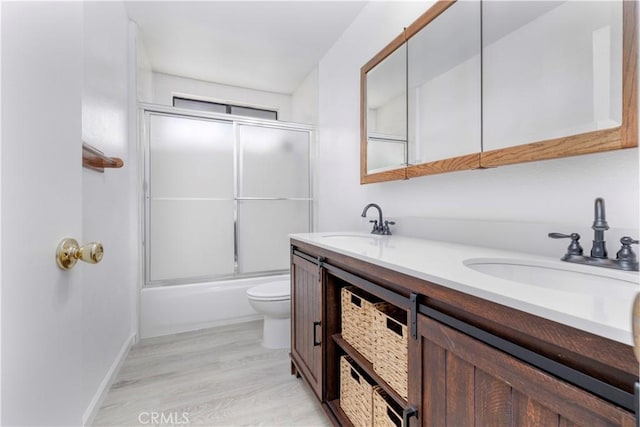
386, 118
444, 79
553, 69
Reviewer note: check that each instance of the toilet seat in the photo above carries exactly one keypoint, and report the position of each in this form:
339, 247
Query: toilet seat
274, 291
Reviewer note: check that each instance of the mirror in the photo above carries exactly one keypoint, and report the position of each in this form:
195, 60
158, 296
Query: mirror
444, 87
500, 82
385, 121
551, 70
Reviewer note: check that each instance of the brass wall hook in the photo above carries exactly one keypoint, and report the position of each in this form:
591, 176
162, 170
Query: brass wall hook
69, 252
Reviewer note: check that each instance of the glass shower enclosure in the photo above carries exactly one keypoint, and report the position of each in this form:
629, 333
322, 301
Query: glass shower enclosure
221, 195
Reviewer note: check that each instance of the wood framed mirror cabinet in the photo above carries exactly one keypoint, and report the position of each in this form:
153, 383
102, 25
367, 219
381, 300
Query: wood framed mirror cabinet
474, 84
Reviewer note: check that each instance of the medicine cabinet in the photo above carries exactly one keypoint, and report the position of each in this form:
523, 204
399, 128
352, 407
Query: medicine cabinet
383, 123
496, 83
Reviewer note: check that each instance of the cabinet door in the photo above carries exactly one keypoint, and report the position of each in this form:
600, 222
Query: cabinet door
383, 114
444, 88
558, 79
306, 321
460, 381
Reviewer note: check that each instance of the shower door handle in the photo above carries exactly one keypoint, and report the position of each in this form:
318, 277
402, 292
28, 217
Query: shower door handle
315, 336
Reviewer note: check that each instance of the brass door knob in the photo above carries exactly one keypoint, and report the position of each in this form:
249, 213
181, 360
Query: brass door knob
69, 252
635, 326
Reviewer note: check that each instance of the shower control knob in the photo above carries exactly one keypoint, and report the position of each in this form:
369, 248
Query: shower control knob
69, 252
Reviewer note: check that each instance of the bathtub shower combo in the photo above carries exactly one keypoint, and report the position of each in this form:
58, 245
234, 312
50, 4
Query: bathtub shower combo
221, 195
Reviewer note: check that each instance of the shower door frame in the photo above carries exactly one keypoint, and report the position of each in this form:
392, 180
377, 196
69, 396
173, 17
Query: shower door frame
145, 111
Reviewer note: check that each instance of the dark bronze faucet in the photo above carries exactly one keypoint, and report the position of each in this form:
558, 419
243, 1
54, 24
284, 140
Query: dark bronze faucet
599, 248
379, 226
626, 259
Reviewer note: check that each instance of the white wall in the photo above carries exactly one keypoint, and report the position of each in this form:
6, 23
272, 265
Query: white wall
0, 220
107, 202
556, 191
166, 86
144, 72
304, 100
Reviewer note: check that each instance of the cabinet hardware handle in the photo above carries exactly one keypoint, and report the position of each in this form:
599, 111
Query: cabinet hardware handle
635, 326
409, 412
413, 304
321, 259
315, 337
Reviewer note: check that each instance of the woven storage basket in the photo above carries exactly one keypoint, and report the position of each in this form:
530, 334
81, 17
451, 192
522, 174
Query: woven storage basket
391, 346
385, 412
357, 319
356, 394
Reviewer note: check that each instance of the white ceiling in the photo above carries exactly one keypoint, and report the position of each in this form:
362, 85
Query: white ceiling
265, 45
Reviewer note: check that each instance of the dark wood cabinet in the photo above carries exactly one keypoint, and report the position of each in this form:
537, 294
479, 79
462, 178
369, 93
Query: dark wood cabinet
471, 362
306, 321
457, 381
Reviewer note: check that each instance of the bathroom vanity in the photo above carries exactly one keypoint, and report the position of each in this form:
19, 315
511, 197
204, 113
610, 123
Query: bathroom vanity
487, 344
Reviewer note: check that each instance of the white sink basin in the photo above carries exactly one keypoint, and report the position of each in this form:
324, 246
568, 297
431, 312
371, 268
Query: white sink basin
559, 275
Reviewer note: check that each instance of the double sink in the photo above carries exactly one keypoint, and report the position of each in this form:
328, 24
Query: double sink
549, 274
591, 298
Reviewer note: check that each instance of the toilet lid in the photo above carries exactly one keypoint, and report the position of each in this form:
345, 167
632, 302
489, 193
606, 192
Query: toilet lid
272, 290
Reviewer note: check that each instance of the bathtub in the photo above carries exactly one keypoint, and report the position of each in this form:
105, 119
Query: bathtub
168, 310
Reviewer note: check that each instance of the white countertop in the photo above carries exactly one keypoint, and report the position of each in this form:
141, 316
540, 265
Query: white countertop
604, 312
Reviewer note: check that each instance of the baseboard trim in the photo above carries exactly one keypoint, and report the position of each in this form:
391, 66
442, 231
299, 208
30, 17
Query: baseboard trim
178, 329
92, 410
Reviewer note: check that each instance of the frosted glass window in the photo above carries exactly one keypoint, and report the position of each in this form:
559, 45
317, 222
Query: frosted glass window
194, 104
273, 162
216, 107
550, 69
253, 112
190, 238
263, 232
190, 158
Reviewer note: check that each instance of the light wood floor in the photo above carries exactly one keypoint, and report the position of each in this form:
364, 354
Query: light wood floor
214, 377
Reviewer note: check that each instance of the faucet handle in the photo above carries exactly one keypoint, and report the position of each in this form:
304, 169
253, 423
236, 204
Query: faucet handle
574, 247
626, 256
376, 229
385, 230
627, 241
625, 251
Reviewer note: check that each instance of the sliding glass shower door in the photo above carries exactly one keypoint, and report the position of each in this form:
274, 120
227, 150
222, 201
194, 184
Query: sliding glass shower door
221, 196
273, 195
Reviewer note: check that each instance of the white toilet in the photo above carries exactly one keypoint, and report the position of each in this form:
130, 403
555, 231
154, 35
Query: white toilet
273, 300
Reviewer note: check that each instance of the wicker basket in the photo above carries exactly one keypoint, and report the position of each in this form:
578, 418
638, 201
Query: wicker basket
356, 394
391, 346
385, 412
357, 320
